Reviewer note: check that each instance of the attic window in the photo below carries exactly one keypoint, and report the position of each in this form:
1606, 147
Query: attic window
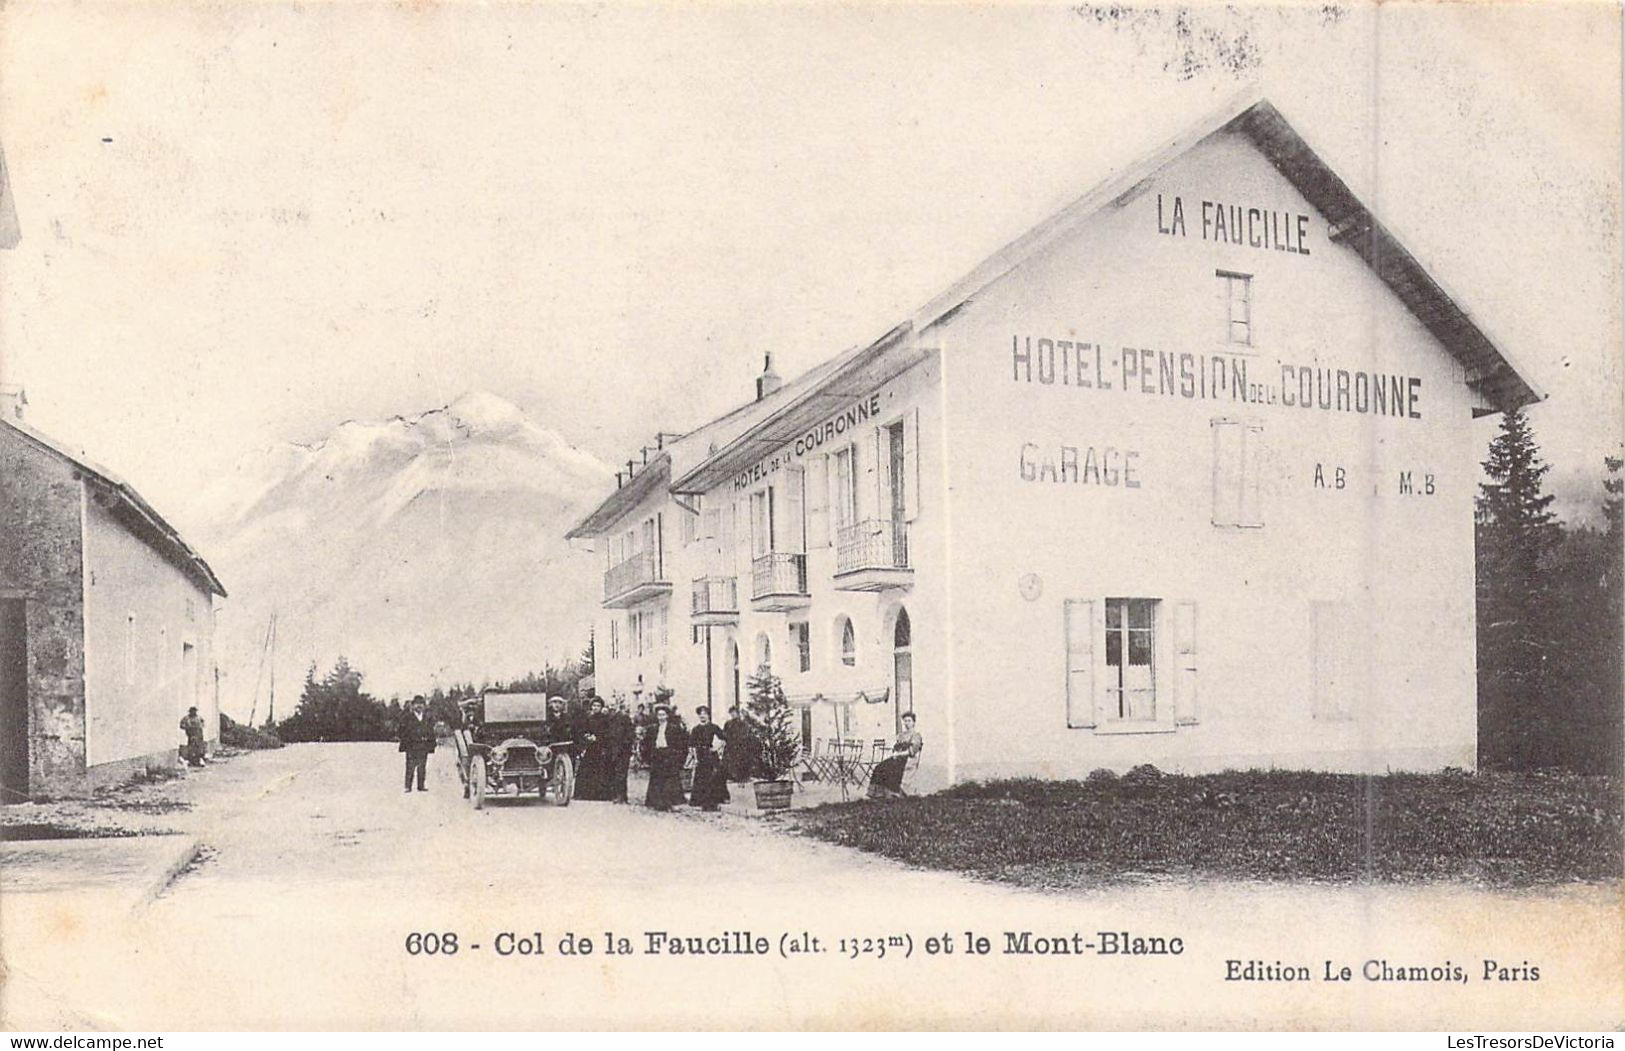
1236, 292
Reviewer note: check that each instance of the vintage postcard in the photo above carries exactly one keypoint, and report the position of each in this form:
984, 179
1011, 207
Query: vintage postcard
864, 516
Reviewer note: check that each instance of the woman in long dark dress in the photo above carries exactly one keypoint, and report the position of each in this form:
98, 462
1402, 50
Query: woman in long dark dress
737, 760
666, 747
710, 781
593, 781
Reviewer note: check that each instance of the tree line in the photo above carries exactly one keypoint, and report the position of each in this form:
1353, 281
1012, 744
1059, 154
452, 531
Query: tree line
334, 706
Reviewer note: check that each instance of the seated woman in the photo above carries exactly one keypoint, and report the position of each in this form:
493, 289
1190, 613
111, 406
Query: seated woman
887, 780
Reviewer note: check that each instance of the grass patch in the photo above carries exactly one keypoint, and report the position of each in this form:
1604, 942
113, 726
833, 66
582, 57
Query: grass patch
1492, 829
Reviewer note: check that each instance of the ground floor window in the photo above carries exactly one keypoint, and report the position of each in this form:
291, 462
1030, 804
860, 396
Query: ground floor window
1131, 672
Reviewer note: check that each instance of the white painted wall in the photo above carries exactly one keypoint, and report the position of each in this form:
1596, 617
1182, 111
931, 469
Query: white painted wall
1400, 564
138, 682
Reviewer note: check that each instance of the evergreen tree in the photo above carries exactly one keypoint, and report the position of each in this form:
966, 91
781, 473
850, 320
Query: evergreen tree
589, 658
1518, 715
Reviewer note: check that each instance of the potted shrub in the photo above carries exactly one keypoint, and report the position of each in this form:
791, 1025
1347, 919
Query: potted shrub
776, 740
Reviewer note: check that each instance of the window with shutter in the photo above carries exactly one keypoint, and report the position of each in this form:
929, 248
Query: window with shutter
911, 461
793, 531
845, 483
1237, 449
817, 486
1131, 660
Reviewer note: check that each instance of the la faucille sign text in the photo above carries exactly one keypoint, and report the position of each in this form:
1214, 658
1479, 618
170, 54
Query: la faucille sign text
1236, 224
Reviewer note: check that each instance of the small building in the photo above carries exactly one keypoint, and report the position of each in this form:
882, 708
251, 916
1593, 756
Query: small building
1182, 476
106, 624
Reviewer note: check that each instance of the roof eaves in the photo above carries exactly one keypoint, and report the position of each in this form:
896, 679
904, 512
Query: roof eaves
690, 482
623, 499
128, 495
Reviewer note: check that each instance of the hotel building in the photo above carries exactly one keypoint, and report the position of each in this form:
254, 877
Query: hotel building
1182, 476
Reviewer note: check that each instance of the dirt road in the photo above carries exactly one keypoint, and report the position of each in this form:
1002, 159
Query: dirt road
316, 881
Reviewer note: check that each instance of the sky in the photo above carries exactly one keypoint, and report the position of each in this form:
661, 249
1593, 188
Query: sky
242, 224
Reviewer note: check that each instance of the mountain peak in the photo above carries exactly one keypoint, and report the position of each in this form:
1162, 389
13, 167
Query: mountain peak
483, 411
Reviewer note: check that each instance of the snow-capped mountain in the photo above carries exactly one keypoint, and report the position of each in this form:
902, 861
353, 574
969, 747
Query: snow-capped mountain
426, 549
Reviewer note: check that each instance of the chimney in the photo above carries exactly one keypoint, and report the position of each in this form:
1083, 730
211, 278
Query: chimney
768, 381
13, 400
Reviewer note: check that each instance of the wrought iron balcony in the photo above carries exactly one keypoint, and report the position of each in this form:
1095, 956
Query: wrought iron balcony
872, 555
634, 580
778, 581
715, 600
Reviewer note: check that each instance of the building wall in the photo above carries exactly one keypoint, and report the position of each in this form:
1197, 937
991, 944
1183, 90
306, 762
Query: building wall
40, 562
1338, 634
623, 671
829, 689
149, 633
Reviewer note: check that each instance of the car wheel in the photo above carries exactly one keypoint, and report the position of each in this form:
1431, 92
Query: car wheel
563, 785
476, 781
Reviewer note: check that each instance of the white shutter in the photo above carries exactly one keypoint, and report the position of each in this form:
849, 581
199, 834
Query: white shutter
1079, 615
1185, 713
817, 502
792, 533
1251, 512
876, 471
911, 465
1227, 454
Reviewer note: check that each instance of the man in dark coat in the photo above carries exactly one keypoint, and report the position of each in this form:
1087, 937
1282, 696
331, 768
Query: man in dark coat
625, 739
417, 741
194, 749
736, 760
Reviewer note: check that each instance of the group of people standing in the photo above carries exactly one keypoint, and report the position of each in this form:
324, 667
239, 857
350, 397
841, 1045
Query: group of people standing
605, 742
658, 738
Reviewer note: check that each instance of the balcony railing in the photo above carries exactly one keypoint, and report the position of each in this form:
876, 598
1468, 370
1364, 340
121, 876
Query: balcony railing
636, 572
778, 573
878, 543
715, 595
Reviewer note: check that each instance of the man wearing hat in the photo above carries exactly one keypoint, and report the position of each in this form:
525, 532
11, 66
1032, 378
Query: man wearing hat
417, 740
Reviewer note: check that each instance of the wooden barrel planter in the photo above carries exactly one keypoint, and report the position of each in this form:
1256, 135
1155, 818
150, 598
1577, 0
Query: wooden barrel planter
772, 795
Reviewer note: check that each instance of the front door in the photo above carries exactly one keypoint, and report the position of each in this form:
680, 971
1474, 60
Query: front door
13, 700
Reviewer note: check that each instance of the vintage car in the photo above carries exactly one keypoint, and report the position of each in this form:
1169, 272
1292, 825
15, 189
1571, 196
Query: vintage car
507, 742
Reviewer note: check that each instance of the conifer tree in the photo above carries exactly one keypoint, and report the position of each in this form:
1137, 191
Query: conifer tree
1517, 643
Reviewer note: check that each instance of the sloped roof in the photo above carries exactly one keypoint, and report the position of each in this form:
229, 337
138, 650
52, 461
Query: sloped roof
131, 509
1489, 368
651, 477
657, 472
854, 374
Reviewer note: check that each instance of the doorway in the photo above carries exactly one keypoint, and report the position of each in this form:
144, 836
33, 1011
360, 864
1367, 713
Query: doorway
13, 699
895, 475
902, 668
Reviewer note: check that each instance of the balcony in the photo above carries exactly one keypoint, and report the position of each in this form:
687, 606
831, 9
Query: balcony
778, 582
872, 556
634, 580
715, 600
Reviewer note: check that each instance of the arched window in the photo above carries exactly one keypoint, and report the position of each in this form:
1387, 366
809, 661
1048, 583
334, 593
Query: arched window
849, 642
900, 634
764, 651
